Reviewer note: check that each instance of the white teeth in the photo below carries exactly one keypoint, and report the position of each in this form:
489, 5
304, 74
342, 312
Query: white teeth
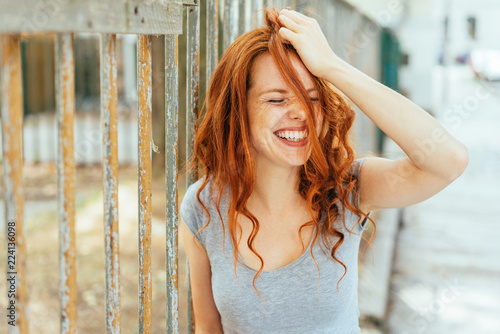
292, 135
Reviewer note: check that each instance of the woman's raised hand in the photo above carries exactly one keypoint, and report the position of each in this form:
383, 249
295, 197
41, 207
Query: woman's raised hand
305, 34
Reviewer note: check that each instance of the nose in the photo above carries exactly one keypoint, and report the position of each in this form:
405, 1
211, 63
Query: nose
296, 112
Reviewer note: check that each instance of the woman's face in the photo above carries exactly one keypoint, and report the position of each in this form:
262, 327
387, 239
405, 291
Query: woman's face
278, 122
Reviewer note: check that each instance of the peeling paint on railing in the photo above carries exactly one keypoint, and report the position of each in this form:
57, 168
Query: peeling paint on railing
144, 93
65, 108
230, 26
192, 107
12, 120
109, 103
171, 178
212, 37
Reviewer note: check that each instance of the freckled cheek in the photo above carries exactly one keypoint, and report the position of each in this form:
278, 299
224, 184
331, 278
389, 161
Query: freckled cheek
261, 144
260, 132
265, 119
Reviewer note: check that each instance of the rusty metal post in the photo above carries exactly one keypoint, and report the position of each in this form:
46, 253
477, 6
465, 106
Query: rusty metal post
12, 139
109, 103
212, 38
192, 107
65, 108
144, 93
171, 159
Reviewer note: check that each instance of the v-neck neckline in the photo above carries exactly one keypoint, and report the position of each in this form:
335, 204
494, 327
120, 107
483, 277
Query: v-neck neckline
285, 267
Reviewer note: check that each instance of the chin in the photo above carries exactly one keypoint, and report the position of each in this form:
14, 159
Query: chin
297, 161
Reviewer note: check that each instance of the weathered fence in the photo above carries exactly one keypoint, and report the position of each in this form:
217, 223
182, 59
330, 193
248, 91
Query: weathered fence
351, 33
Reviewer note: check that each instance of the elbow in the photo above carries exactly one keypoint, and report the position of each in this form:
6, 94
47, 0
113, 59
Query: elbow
460, 160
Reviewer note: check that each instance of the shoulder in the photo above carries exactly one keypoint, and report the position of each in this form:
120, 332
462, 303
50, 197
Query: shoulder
354, 194
357, 165
191, 210
191, 193
209, 196
353, 177
197, 214
190, 199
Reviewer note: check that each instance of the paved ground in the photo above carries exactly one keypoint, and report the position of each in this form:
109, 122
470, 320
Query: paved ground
446, 274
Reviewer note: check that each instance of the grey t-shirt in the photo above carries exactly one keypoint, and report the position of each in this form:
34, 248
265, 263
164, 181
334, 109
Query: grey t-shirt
295, 299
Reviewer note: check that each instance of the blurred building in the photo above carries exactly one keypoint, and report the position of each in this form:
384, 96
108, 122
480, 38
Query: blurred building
434, 34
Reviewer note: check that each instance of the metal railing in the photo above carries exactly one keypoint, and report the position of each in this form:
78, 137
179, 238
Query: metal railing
108, 18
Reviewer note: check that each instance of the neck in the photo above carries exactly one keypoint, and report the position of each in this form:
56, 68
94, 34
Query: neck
276, 189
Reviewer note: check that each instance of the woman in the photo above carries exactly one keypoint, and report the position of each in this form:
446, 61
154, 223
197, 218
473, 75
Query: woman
272, 231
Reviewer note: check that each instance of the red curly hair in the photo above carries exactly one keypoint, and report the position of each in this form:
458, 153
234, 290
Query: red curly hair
222, 144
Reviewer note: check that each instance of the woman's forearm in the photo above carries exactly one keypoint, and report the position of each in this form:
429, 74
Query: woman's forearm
429, 146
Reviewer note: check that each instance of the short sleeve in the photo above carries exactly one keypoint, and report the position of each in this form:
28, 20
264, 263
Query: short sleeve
191, 211
357, 171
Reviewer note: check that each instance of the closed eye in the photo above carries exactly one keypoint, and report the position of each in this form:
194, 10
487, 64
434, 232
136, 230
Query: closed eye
277, 101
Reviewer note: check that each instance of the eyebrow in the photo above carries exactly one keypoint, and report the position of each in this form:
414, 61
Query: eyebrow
283, 91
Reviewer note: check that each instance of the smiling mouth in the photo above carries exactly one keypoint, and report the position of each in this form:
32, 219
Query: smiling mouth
293, 136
